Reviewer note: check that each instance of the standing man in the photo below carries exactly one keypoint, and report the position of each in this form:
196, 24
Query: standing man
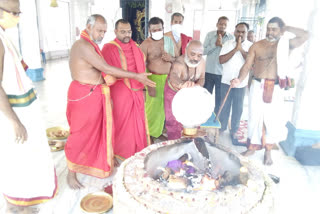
89, 149
232, 56
130, 123
212, 47
266, 125
187, 71
179, 39
251, 36
27, 170
160, 54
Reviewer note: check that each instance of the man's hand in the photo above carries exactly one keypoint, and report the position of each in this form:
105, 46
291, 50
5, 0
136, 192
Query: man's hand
143, 78
167, 57
235, 82
20, 132
187, 84
239, 47
219, 40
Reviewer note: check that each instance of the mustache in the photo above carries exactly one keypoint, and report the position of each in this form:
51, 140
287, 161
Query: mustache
193, 61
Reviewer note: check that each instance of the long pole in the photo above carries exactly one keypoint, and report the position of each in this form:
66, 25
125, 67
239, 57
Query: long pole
222, 104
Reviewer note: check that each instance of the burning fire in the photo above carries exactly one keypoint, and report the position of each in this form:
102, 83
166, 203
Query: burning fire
183, 174
208, 183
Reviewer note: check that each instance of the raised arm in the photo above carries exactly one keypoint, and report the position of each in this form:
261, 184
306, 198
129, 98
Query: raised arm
6, 109
91, 56
245, 68
209, 45
202, 69
226, 57
301, 36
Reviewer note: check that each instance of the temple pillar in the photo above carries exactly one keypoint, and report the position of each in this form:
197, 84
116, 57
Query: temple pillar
304, 128
29, 40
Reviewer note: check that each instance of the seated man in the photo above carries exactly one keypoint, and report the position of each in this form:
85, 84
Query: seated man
187, 71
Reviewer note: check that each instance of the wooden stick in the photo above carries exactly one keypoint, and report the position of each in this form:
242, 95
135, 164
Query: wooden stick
222, 104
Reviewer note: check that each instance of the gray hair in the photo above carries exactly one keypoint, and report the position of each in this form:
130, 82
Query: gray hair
196, 42
93, 18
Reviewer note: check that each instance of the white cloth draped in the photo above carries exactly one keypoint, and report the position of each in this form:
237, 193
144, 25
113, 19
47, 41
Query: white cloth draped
283, 51
15, 80
270, 114
27, 170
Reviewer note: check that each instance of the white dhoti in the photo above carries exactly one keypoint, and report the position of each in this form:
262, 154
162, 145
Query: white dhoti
27, 170
270, 115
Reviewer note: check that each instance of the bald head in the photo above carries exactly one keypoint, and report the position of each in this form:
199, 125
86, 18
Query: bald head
95, 17
194, 52
96, 27
194, 44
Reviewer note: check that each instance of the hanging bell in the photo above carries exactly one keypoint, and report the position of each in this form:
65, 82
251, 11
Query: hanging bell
54, 3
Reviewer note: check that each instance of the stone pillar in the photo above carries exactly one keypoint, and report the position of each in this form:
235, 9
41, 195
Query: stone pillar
157, 8
29, 40
304, 129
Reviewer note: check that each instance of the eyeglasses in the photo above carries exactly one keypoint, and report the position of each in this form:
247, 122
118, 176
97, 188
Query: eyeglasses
17, 14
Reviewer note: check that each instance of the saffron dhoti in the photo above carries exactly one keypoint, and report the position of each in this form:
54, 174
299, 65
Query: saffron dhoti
89, 147
130, 124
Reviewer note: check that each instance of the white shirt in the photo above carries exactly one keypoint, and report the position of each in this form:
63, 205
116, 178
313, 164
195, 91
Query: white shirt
232, 67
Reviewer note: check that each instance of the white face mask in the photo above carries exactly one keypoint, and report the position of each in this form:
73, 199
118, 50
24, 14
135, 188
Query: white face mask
157, 35
176, 29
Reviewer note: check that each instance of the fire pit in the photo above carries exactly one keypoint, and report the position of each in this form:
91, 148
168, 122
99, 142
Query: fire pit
221, 181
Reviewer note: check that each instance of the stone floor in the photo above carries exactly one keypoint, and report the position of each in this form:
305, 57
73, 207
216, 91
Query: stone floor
297, 192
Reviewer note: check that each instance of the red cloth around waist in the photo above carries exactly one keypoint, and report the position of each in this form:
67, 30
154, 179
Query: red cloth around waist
89, 148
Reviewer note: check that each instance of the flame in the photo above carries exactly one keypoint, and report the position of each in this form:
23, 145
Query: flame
180, 173
208, 183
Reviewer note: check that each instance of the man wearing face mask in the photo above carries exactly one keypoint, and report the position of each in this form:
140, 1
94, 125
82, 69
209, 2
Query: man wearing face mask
89, 148
232, 56
130, 124
187, 71
160, 54
27, 169
212, 47
179, 39
268, 58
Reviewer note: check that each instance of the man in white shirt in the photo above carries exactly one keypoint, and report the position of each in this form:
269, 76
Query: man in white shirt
232, 56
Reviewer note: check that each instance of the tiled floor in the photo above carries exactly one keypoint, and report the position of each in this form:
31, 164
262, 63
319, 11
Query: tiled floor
297, 192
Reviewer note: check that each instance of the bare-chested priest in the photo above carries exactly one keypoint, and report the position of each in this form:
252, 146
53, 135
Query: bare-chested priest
187, 71
160, 54
89, 149
270, 59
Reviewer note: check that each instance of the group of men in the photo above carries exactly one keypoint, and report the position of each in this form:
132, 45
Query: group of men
230, 59
107, 112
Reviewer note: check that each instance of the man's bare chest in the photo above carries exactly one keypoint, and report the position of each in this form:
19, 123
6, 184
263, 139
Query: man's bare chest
267, 55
